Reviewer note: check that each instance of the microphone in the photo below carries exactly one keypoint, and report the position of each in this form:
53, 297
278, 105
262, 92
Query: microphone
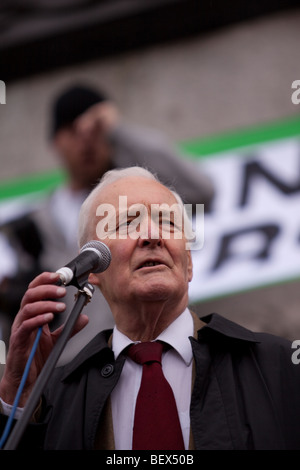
94, 257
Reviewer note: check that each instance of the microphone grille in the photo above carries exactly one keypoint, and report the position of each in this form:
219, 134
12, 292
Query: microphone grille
103, 252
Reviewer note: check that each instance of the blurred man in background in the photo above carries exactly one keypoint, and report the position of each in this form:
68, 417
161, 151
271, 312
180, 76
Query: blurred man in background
89, 138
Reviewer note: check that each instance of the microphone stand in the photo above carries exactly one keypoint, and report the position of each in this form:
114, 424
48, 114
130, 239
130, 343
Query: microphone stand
84, 295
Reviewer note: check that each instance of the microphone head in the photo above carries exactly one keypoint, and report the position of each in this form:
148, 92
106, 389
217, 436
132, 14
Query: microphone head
102, 251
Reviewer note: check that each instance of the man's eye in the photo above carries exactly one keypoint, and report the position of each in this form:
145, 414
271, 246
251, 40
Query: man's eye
124, 224
168, 223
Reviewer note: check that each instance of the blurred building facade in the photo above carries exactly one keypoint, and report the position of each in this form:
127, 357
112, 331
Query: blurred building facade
191, 73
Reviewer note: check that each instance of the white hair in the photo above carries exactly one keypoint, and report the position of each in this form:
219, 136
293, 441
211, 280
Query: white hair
84, 221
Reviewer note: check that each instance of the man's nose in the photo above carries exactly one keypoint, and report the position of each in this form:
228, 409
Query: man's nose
150, 234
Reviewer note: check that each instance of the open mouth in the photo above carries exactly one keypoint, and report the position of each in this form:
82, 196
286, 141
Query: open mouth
149, 264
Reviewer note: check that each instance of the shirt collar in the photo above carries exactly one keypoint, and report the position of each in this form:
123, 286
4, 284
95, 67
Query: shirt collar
176, 335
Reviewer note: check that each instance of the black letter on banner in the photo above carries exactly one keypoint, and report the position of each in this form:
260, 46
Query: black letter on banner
253, 170
227, 242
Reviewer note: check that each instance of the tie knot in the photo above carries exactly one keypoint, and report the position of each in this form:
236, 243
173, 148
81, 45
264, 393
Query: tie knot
145, 352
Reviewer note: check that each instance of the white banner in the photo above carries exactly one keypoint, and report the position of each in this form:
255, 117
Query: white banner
252, 235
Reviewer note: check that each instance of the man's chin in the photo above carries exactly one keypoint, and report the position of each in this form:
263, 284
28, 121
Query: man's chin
155, 292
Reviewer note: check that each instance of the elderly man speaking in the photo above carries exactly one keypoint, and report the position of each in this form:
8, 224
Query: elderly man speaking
162, 379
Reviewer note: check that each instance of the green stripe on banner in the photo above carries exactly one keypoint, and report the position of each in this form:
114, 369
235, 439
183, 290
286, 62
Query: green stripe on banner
196, 148
243, 138
31, 184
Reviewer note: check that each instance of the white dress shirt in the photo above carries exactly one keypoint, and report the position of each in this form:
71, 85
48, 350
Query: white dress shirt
177, 367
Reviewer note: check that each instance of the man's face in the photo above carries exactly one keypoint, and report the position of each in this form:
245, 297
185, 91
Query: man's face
148, 267
85, 158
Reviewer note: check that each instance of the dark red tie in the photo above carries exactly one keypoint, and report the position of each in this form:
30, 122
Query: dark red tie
156, 422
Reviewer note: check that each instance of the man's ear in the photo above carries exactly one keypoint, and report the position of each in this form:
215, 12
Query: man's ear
190, 266
94, 279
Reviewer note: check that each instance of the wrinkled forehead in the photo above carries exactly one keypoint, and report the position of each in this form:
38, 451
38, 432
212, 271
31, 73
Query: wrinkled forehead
137, 190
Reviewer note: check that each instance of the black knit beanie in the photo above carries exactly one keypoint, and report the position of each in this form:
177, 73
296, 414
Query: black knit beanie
71, 103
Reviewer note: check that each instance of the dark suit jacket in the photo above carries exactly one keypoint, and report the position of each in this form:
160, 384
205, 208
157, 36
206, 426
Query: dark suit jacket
245, 393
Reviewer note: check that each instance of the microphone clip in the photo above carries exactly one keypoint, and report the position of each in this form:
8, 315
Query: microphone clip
88, 290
